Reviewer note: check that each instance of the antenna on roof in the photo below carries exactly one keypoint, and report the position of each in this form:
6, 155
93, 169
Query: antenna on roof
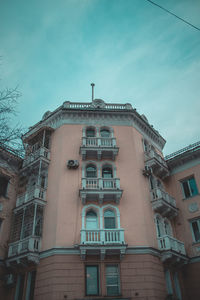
92, 85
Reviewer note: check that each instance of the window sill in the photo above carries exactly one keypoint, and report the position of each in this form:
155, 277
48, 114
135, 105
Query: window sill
191, 197
196, 243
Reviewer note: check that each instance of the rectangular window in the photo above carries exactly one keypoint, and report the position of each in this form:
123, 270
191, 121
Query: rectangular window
195, 226
92, 280
3, 186
112, 280
19, 287
30, 285
189, 187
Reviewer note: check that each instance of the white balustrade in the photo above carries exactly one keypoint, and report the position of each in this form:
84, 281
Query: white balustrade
167, 242
28, 244
98, 142
35, 193
101, 183
151, 154
102, 236
159, 194
41, 152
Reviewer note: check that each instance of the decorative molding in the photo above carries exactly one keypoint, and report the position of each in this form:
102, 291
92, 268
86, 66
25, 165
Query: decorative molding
76, 113
193, 207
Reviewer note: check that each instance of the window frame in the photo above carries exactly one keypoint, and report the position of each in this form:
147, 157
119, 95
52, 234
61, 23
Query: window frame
118, 280
4, 193
187, 180
191, 227
98, 279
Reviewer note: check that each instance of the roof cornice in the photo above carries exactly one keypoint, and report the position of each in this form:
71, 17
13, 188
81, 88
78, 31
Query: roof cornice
113, 114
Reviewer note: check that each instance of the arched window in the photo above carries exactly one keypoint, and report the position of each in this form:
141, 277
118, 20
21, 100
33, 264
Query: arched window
91, 171
90, 132
107, 172
91, 220
109, 219
105, 133
159, 226
167, 227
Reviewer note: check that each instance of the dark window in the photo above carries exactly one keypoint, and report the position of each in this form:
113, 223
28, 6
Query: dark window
91, 171
196, 230
112, 280
32, 285
105, 133
90, 132
189, 187
107, 172
1, 221
92, 280
20, 287
109, 219
3, 186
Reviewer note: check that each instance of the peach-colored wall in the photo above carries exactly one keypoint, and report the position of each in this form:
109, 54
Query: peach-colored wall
141, 277
182, 225
62, 220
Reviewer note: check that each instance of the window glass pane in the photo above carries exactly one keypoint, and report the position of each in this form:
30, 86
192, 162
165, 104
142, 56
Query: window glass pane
107, 172
92, 284
105, 133
112, 280
3, 186
90, 132
91, 220
193, 187
186, 189
196, 230
109, 222
32, 287
91, 172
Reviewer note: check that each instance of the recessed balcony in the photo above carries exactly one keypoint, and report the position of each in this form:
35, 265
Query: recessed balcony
35, 193
24, 251
99, 148
157, 164
35, 155
173, 250
100, 190
163, 203
102, 242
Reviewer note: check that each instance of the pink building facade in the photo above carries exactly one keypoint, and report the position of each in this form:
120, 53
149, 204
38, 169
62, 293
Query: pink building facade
99, 212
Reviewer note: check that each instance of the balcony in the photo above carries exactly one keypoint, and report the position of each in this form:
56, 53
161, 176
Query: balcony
173, 250
35, 155
35, 193
157, 164
101, 190
102, 242
24, 251
163, 203
99, 148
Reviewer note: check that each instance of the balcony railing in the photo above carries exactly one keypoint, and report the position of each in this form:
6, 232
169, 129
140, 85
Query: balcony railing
99, 147
35, 193
167, 242
154, 161
100, 189
163, 203
101, 183
98, 142
102, 236
29, 244
41, 152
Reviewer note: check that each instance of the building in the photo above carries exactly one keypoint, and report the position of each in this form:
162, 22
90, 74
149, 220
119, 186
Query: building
100, 213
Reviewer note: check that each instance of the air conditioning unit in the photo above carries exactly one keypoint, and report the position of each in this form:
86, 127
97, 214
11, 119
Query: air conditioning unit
72, 164
9, 279
147, 171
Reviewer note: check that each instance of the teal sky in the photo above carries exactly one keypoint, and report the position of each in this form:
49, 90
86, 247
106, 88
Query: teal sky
132, 50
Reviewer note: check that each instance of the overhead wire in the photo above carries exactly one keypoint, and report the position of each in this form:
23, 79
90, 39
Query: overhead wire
171, 13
